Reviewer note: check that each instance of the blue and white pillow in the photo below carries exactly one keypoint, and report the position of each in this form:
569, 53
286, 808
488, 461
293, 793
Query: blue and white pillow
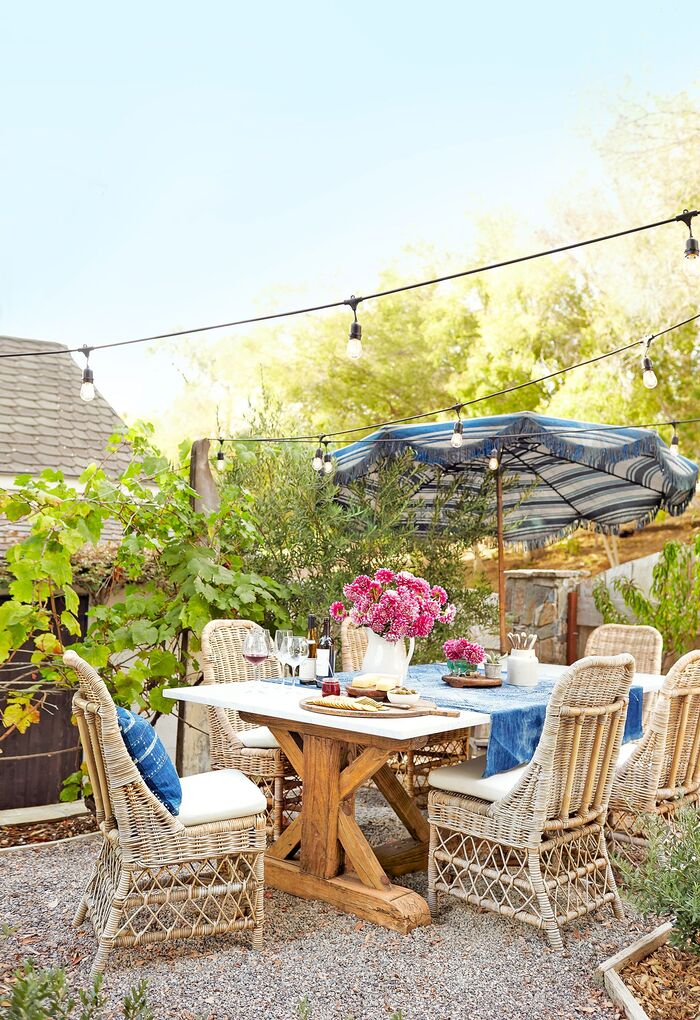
151, 759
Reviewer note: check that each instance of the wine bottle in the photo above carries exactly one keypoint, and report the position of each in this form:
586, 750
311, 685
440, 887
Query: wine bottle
307, 670
324, 654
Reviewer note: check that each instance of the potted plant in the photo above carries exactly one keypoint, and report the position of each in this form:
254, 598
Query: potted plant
492, 665
392, 607
462, 656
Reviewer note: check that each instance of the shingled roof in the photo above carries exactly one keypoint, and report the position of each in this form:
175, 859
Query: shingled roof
45, 424
43, 421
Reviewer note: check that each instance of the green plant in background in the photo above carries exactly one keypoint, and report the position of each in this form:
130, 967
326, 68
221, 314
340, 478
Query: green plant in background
173, 570
667, 882
313, 544
673, 602
44, 995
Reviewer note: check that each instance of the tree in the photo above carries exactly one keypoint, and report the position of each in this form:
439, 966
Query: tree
173, 570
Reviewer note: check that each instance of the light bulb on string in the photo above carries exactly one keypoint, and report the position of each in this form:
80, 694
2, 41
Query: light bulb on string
648, 374
457, 437
327, 462
691, 255
87, 385
317, 462
494, 460
220, 462
674, 448
354, 347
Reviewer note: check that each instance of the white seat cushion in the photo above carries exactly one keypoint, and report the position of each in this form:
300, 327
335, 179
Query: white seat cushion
626, 752
466, 778
217, 796
259, 736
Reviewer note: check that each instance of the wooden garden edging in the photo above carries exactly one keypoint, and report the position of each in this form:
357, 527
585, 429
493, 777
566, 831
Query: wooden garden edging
608, 973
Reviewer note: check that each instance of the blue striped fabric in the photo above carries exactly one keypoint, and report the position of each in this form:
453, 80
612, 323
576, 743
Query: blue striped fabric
151, 759
558, 474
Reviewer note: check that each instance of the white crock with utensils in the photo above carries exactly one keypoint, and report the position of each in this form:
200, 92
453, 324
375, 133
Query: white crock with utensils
523, 664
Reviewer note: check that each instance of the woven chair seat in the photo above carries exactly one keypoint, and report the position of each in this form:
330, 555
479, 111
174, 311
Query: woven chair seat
259, 736
219, 796
467, 778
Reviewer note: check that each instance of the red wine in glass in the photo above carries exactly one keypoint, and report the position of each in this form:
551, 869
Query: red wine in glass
254, 660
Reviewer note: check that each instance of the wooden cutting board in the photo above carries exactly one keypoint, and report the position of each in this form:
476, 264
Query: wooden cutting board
388, 712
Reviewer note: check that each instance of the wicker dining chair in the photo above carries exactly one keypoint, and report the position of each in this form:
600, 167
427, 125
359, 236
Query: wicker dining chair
235, 744
660, 774
411, 767
160, 877
645, 644
530, 843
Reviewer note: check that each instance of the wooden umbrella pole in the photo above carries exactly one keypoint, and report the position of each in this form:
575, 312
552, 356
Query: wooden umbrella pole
501, 563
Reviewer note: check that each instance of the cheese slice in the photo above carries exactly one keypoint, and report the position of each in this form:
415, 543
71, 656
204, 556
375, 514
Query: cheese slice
387, 683
368, 681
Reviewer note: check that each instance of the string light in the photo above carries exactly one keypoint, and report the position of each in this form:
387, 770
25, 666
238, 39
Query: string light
327, 462
317, 462
457, 437
87, 386
220, 462
354, 347
674, 448
648, 374
691, 256
494, 460
685, 217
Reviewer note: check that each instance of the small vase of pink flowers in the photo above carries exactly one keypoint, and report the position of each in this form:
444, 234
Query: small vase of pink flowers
462, 656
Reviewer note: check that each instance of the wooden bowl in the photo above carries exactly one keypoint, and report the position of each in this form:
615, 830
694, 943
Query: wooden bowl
365, 692
471, 680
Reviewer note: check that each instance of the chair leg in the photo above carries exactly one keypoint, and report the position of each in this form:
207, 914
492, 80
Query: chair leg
618, 909
432, 873
549, 921
257, 937
81, 912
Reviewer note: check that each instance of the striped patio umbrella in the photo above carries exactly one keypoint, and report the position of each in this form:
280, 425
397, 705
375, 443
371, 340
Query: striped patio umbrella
553, 475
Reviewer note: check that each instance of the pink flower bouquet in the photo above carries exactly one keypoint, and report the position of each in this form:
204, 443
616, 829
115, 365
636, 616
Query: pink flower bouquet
463, 656
394, 605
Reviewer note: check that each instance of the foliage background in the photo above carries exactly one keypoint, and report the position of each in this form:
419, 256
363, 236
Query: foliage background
433, 347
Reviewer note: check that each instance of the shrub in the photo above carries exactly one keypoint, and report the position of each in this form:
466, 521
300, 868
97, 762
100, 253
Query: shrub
313, 544
667, 882
673, 602
44, 995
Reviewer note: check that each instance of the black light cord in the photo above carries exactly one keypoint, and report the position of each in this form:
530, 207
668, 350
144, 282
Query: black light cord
458, 407
500, 439
685, 217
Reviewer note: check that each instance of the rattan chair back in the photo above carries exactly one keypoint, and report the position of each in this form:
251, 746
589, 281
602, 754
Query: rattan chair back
645, 644
568, 781
122, 799
666, 763
353, 645
223, 663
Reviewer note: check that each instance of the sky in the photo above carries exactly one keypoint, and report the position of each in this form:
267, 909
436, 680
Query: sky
170, 165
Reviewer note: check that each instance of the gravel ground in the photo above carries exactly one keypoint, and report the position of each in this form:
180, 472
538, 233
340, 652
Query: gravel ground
469, 965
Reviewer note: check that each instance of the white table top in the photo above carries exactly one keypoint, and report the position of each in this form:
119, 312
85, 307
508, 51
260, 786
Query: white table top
649, 682
283, 703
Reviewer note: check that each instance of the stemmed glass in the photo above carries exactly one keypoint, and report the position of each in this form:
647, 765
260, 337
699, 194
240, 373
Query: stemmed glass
280, 637
296, 649
257, 647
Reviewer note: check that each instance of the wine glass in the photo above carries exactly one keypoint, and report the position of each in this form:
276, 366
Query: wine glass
257, 647
280, 637
297, 649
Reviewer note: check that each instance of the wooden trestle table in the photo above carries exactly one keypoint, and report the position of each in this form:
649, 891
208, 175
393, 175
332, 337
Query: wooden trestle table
323, 854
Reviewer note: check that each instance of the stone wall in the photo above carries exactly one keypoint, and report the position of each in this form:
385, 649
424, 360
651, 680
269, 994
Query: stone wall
536, 601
